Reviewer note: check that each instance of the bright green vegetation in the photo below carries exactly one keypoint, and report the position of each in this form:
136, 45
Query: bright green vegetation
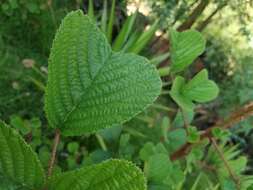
114, 94
90, 87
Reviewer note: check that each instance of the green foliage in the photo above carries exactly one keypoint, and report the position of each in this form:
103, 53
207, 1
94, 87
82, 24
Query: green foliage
185, 48
199, 89
83, 94
111, 175
153, 137
18, 162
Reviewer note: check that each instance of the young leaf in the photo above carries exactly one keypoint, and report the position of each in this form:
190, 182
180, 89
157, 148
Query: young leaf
185, 47
159, 167
90, 87
200, 88
178, 97
193, 134
18, 162
109, 175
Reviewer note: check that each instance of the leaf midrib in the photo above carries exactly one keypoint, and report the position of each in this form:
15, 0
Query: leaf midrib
87, 88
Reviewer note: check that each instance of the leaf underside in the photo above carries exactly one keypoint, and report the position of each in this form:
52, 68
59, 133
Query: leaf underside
18, 162
90, 87
109, 175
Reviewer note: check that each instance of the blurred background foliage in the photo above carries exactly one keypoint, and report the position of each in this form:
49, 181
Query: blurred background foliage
27, 28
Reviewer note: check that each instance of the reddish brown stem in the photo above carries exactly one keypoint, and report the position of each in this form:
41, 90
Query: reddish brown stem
234, 118
53, 153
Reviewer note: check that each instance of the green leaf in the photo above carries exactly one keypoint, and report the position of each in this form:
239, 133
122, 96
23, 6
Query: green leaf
193, 134
90, 87
179, 119
200, 88
111, 22
159, 167
19, 124
124, 32
185, 47
104, 17
91, 10
178, 97
73, 147
177, 138
109, 175
18, 162
143, 40
149, 149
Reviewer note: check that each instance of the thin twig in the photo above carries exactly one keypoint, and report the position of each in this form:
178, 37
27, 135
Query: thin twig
231, 173
53, 153
237, 116
184, 119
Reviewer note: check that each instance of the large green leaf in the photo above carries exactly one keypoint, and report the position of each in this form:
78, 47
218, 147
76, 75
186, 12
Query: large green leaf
109, 175
90, 87
185, 47
18, 162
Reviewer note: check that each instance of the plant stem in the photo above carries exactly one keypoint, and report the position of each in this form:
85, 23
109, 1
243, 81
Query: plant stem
164, 71
101, 142
53, 153
184, 119
237, 116
231, 173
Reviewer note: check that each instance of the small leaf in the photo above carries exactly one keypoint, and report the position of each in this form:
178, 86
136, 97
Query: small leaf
177, 96
177, 138
159, 167
200, 88
18, 162
73, 147
193, 134
19, 124
90, 87
179, 119
185, 47
109, 175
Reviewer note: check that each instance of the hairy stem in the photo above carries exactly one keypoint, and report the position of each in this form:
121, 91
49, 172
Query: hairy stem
231, 173
237, 116
53, 153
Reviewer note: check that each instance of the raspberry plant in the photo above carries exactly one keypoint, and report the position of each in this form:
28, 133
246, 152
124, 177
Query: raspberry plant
89, 88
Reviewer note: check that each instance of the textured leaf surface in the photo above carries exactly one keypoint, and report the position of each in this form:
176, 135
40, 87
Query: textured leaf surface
89, 86
18, 163
178, 96
109, 175
185, 47
199, 89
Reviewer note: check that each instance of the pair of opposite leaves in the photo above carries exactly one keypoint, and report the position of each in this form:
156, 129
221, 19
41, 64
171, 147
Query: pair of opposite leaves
90, 87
